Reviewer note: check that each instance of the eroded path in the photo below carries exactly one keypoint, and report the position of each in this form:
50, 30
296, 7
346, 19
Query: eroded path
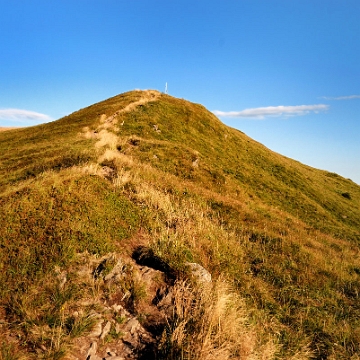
104, 134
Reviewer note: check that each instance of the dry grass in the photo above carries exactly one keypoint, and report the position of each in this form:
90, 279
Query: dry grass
107, 138
209, 323
8, 128
283, 235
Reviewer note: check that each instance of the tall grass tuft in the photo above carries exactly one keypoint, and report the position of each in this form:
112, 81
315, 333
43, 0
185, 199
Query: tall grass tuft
210, 322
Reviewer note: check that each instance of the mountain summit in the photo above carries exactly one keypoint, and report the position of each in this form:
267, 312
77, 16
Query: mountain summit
109, 215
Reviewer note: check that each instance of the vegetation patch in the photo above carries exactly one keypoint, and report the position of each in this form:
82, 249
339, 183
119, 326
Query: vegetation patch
280, 239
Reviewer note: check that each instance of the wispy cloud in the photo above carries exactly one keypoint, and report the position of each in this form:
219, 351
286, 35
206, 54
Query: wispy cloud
19, 115
349, 97
273, 111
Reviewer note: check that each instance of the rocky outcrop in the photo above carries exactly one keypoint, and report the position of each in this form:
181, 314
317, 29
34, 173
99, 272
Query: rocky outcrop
132, 306
146, 256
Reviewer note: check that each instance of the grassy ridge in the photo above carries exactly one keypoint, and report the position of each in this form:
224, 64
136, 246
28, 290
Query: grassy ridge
286, 236
27, 152
187, 132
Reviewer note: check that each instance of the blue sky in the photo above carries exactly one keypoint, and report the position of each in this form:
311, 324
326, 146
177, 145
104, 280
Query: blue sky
285, 72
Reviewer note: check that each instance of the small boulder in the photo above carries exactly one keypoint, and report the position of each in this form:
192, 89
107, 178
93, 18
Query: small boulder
105, 330
97, 329
199, 273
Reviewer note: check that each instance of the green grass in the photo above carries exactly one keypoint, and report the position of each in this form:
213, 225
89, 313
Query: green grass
229, 156
286, 236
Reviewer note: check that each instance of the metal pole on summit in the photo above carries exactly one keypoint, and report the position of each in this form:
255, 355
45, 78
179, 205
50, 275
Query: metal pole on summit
166, 88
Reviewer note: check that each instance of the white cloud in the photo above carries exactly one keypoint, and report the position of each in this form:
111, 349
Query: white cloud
19, 115
349, 97
273, 111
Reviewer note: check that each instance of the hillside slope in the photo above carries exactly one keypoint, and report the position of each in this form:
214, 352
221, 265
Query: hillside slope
144, 168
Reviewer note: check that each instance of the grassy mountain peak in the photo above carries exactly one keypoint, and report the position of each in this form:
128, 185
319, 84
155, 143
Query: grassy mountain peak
144, 168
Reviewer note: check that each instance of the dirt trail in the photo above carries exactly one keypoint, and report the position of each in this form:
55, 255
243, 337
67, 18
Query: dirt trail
104, 134
148, 96
108, 123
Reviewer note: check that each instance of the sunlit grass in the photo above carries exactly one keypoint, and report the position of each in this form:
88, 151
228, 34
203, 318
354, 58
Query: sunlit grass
284, 237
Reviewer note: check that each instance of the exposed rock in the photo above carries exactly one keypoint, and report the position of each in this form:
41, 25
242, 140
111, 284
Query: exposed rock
117, 271
132, 326
195, 163
156, 128
105, 330
97, 329
132, 339
117, 308
126, 295
92, 350
199, 273
146, 256
117, 328
93, 357
110, 268
100, 268
164, 300
107, 172
110, 353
